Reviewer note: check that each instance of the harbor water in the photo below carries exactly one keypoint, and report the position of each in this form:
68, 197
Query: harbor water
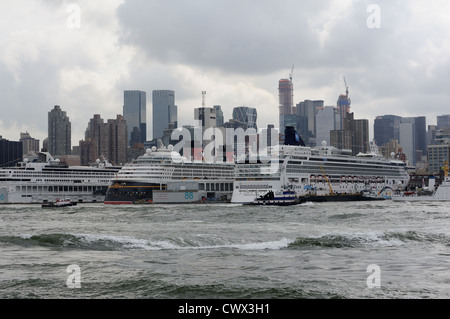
354, 250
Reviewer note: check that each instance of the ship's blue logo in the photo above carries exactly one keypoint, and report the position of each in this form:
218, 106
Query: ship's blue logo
2, 197
189, 195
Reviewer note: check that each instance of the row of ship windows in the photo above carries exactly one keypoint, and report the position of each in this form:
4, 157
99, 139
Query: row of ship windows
364, 172
176, 175
75, 181
60, 174
179, 172
39, 189
342, 167
224, 187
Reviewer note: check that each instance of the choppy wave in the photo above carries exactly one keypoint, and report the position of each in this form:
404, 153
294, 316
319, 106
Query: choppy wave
111, 242
369, 239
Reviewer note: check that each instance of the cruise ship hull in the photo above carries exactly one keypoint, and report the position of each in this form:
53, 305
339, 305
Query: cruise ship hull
178, 192
162, 176
319, 173
11, 196
47, 180
131, 193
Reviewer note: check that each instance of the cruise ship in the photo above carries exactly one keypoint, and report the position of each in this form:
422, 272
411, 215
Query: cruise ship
46, 179
320, 171
163, 176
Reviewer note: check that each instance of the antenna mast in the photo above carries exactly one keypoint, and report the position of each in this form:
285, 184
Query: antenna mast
203, 98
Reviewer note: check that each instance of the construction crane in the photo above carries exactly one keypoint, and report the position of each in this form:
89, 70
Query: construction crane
346, 86
292, 72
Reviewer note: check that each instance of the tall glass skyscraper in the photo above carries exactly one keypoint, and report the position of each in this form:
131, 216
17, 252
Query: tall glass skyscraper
219, 116
164, 111
135, 114
325, 123
246, 115
386, 128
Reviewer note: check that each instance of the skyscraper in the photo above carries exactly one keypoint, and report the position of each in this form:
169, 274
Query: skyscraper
360, 136
11, 153
107, 140
135, 115
421, 135
286, 100
417, 144
219, 116
59, 132
443, 121
205, 117
246, 115
306, 120
386, 128
325, 123
30, 145
343, 106
408, 139
164, 111
117, 133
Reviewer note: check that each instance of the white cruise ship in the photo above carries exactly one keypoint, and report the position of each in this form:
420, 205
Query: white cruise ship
320, 171
162, 176
46, 179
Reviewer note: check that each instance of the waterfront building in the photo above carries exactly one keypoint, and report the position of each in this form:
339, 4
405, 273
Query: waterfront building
437, 155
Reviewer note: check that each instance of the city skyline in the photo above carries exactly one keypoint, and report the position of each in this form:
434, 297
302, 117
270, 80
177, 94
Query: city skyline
372, 122
83, 55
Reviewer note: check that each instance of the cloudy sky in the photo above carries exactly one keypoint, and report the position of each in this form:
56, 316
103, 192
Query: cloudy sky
83, 54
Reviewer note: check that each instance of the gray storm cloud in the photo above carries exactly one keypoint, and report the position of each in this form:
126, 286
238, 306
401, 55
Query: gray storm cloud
237, 50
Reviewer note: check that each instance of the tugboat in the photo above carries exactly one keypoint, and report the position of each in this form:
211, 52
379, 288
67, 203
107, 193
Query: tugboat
282, 198
58, 203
